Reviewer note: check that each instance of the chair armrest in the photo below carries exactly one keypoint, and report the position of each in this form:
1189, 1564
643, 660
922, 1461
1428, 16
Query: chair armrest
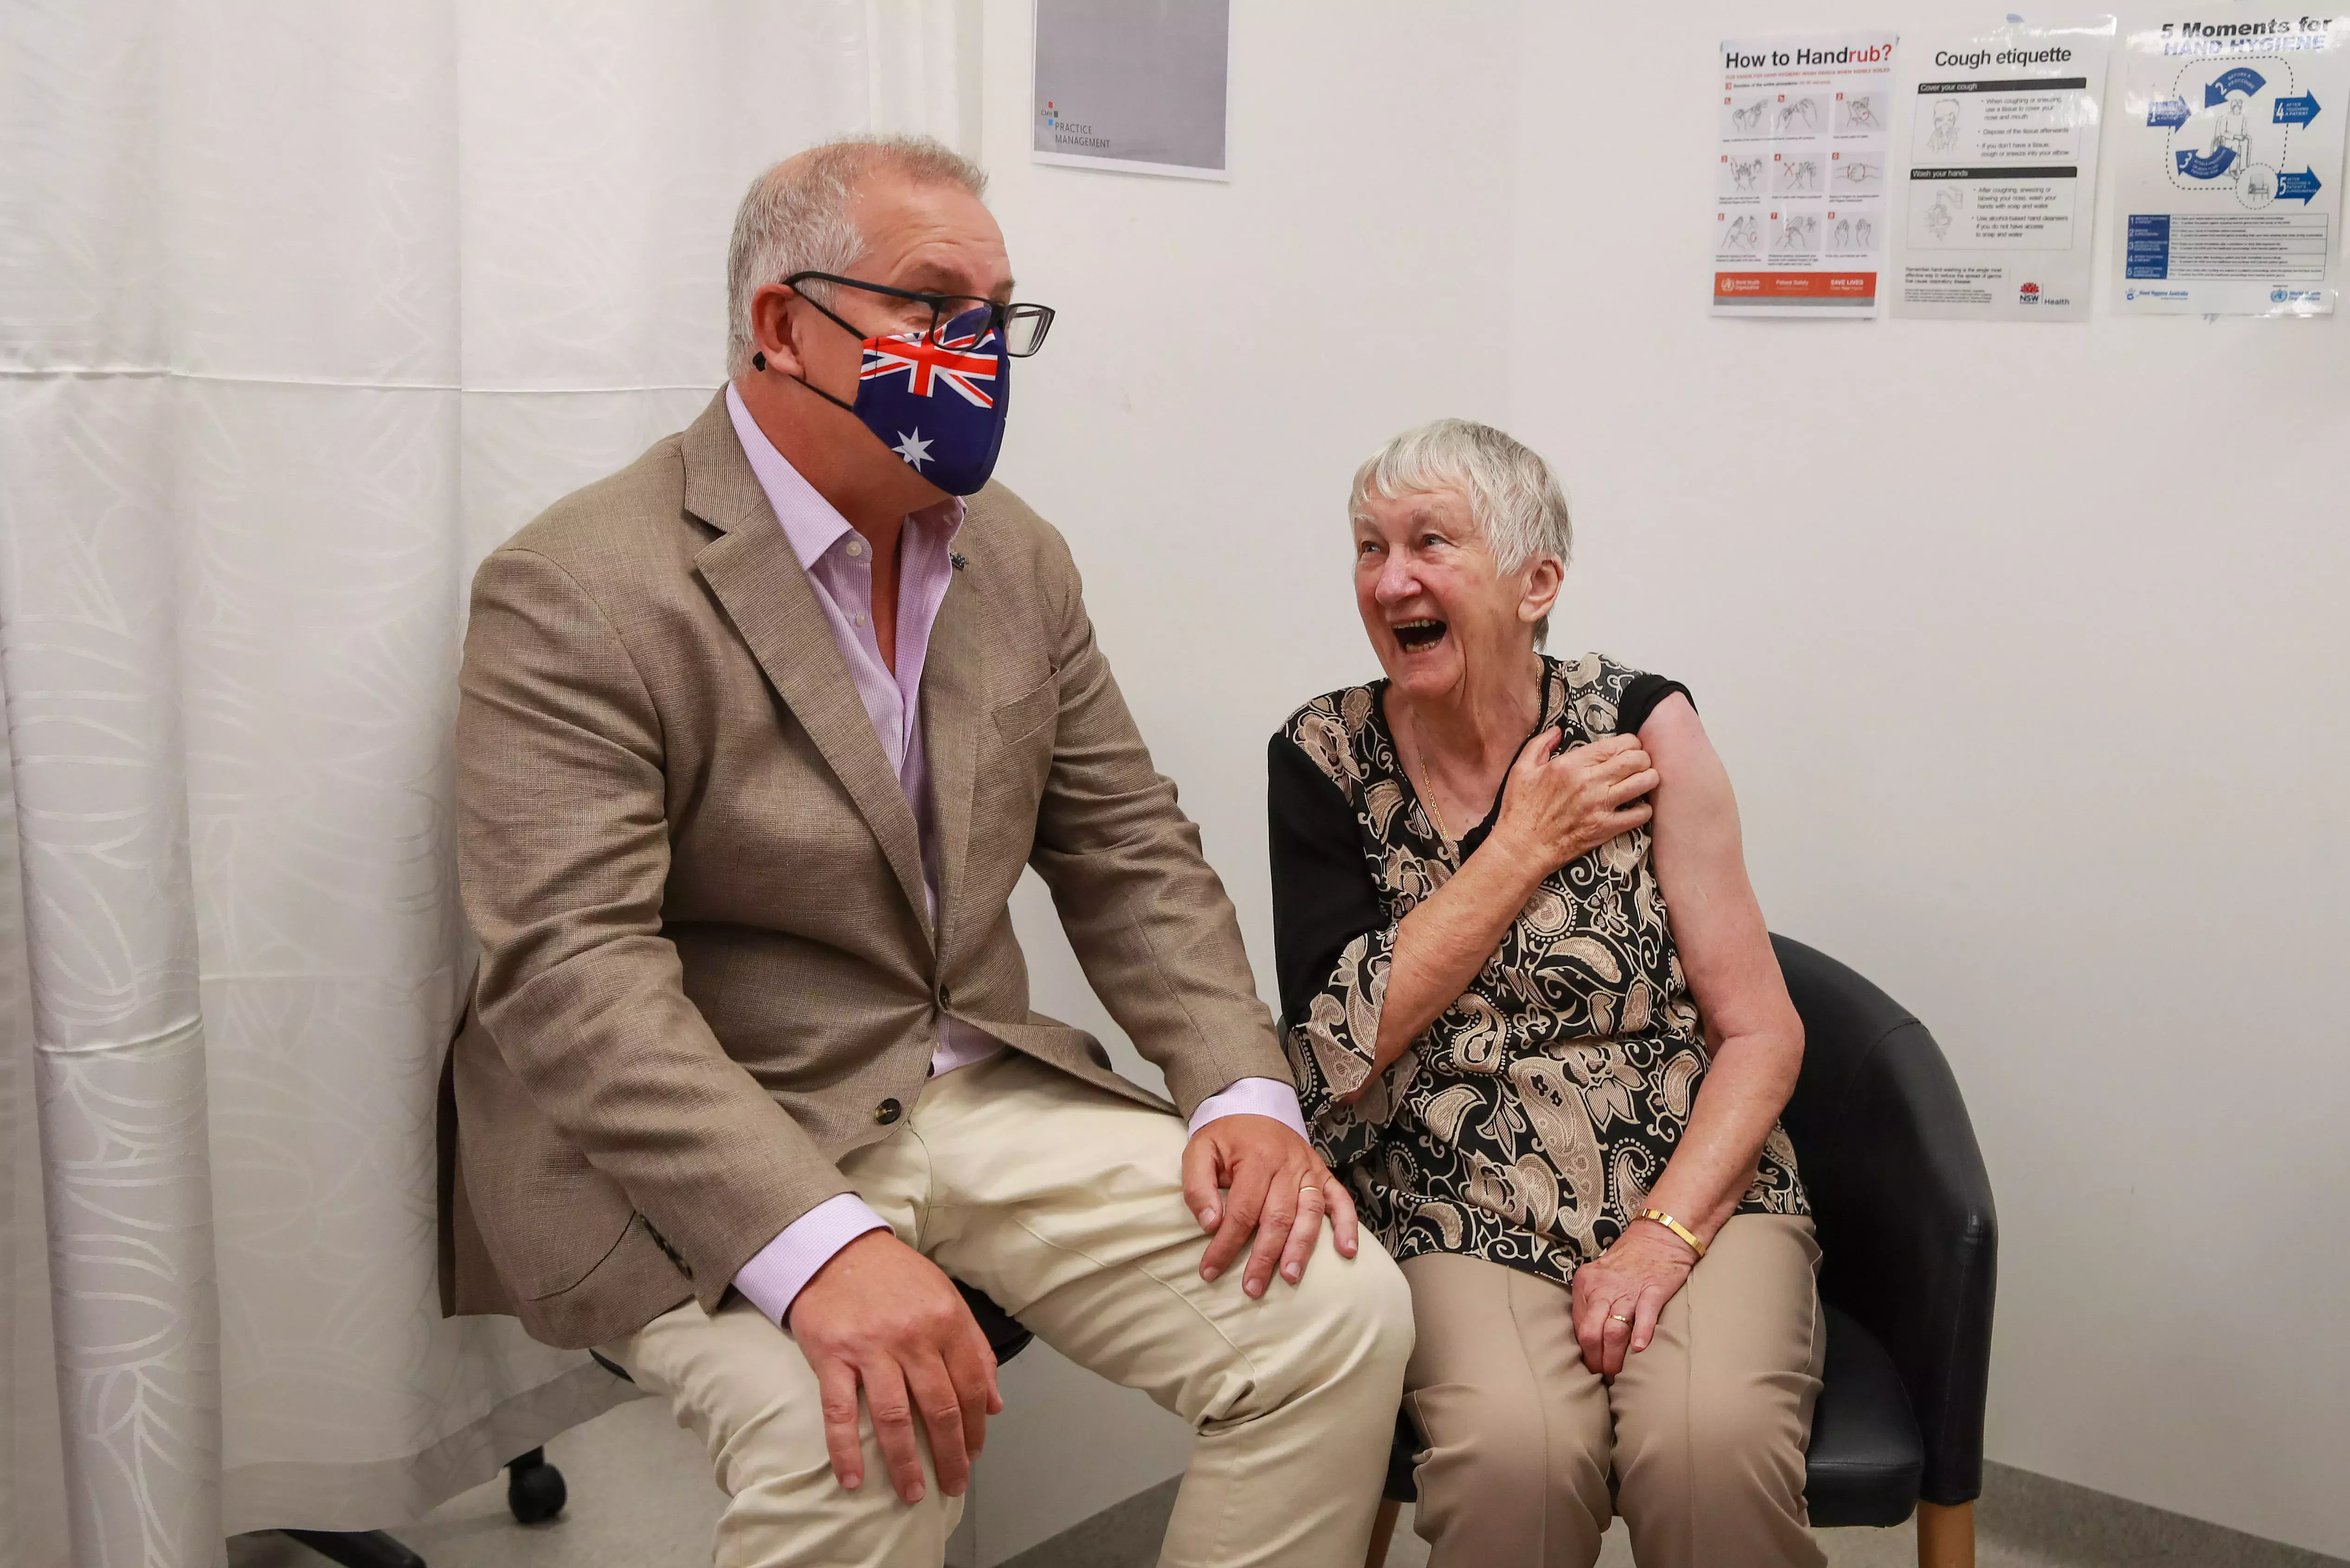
1902, 1203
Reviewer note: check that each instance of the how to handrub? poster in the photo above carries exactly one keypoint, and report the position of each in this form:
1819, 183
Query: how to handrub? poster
1801, 214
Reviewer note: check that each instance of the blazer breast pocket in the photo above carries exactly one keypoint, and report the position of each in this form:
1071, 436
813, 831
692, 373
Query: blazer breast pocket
1031, 711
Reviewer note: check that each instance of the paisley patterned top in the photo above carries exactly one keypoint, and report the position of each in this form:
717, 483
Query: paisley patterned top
1527, 1124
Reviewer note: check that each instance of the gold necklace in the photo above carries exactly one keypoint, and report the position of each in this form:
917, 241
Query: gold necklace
1420, 755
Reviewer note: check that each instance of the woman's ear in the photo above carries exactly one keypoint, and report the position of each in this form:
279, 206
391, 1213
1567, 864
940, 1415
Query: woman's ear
1543, 580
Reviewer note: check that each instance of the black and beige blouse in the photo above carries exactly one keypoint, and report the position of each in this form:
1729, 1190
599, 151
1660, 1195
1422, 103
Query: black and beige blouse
1527, 1124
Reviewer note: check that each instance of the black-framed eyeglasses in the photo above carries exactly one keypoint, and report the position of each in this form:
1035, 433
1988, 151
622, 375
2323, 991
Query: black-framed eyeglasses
1022, 325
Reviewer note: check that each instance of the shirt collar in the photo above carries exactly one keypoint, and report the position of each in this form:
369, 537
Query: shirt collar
810, 521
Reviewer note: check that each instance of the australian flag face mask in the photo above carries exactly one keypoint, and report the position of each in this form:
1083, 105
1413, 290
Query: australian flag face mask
937, 399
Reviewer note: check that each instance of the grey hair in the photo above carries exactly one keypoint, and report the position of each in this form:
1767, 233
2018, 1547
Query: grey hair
1513, 498
795, 218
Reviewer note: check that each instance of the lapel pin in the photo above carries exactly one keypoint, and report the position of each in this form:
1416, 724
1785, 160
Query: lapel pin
958, 562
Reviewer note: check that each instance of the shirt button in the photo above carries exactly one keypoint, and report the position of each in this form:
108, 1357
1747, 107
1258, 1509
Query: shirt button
856, 547
858, 620
888, 1111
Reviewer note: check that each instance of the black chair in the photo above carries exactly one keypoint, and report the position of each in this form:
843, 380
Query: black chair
1903, 1206
1005, 1334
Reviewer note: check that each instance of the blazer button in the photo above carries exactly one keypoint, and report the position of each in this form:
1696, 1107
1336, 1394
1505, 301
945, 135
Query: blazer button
888, 1111
946, 997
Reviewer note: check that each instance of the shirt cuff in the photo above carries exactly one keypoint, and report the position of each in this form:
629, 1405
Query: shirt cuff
1254, 1097
779, 1271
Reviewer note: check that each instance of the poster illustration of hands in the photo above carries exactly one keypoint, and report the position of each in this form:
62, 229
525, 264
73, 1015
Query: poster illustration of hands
2228, 164
1999, 171
1800, 212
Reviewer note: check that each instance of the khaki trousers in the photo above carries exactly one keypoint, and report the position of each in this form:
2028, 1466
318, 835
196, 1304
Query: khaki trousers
1703, 1432
1065, 1204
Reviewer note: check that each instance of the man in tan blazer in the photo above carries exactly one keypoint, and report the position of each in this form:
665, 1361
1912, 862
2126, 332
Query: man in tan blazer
757, 737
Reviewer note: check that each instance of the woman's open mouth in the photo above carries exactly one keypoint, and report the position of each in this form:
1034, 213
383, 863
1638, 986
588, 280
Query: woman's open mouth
1419, 636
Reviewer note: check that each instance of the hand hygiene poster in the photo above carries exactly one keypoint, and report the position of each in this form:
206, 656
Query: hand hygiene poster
2000, 167
2228, 164
1800, 211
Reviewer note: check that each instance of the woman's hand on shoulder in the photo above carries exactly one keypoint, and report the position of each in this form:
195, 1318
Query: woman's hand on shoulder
1558, 804
1619, 1294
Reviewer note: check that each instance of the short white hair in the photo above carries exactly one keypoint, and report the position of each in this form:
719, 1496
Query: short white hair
1514, 498
795, 218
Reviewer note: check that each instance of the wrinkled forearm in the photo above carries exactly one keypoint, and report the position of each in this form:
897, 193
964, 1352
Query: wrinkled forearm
1738, 1103
1442, 944
1733, 976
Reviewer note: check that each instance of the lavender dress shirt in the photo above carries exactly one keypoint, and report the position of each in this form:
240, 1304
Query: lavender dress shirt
839, 565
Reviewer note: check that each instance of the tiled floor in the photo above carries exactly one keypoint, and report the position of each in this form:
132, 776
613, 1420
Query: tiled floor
641, 1497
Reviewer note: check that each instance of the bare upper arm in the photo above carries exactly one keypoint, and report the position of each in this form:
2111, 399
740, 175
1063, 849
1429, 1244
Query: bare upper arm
1700, 864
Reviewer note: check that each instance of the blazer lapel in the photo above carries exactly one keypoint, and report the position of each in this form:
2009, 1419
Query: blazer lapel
950, 704
753, 570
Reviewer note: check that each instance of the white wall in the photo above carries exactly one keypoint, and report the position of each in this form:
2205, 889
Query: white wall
1223, 357
2023, 643
2020, 641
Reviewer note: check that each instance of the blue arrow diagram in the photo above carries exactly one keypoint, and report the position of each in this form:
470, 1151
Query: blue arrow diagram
2297, 111
2206, 166
2243, 79
2298, 187
2172, 111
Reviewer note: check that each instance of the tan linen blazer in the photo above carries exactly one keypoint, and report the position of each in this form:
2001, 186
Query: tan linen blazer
707, 966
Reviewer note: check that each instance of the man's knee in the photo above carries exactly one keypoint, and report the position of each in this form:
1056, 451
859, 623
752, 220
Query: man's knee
1345, 1325
771, 1446
1367, 1308
786, 1505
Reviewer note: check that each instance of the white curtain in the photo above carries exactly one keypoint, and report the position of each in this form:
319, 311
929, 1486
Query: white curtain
303, 306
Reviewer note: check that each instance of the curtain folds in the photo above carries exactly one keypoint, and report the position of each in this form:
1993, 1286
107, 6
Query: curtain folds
302, 309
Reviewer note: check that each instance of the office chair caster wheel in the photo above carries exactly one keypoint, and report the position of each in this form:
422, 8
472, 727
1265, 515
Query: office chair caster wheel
535, 1489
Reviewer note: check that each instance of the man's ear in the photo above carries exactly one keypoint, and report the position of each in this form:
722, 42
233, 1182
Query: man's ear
771, 331
1543, 580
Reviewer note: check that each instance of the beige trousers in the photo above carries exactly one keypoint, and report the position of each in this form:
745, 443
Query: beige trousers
1703, 1433
1065, 1204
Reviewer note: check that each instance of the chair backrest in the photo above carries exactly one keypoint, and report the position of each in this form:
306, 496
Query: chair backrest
1901, 1200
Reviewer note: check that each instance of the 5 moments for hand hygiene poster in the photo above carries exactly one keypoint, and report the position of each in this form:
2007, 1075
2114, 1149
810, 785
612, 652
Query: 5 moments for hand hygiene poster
1800, 217
1999, 168
2228, 164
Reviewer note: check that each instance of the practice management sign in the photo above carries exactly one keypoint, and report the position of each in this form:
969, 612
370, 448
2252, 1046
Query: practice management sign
1133, 87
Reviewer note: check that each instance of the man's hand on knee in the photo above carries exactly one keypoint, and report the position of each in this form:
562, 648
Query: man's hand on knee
1274, 1187
882, 1317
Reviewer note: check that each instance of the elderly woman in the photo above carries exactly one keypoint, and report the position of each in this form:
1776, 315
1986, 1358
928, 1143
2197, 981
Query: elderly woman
1537, 1021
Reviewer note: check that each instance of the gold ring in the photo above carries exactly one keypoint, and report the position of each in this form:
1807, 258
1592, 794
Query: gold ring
1620, 1317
